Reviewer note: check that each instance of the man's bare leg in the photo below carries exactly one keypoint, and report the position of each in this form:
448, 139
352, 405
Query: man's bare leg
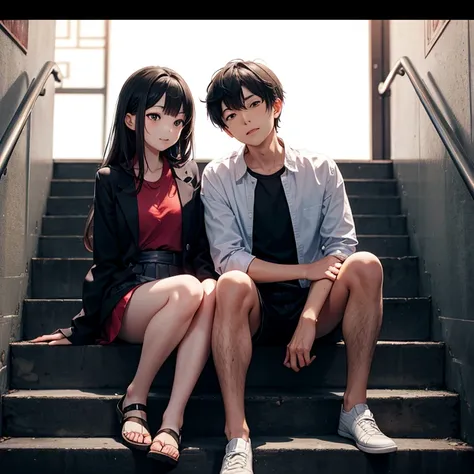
236, 319
356, 297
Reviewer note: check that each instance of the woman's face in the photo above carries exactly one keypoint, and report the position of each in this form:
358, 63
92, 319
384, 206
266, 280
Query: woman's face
161, 130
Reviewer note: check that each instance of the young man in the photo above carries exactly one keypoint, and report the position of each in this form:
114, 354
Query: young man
283, 240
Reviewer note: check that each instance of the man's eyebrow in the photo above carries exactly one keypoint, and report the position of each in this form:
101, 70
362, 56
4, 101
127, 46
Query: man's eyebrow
245, 98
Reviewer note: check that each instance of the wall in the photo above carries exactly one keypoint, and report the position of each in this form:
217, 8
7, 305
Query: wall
440, 210
22, 206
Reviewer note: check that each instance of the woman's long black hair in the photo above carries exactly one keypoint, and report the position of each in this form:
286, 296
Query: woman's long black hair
142, 90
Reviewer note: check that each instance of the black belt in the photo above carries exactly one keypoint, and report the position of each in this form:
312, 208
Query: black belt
160, 256
152, 265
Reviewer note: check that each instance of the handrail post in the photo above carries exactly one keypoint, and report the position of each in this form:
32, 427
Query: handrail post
455, 149
23, 112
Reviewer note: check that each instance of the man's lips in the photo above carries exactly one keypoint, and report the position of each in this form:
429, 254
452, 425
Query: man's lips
251, 131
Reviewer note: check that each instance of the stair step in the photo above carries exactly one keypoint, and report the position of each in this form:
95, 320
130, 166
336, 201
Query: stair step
278, 455
399, 413
356, 187
405, 319
73, 246
365, 224
350, 169
63, 277
379, 205
407, 365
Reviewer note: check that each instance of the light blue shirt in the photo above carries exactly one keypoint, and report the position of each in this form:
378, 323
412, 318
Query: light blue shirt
319, 208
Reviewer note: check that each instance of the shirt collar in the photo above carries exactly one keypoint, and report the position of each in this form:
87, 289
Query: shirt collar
241, 166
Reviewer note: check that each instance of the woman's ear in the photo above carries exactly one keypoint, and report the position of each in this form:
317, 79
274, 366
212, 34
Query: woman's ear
130, 121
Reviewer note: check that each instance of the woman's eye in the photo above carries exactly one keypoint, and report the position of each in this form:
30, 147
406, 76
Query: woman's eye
153, 117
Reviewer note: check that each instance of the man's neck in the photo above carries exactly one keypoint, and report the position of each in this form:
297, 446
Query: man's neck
268, 157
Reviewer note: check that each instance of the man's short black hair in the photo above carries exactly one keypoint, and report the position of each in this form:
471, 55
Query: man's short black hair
226, 86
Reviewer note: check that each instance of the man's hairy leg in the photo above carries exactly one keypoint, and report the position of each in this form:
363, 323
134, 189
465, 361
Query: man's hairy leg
237, 318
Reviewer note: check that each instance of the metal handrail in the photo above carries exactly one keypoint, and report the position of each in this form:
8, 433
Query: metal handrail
23, 112
446, 133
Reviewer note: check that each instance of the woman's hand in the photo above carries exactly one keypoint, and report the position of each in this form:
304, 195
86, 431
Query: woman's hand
56, 339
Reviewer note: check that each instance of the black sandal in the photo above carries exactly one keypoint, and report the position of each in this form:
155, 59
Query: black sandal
163, 457
124, 415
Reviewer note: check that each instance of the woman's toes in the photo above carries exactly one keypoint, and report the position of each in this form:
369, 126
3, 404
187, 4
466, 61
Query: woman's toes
138, 437
157, 446
170, 451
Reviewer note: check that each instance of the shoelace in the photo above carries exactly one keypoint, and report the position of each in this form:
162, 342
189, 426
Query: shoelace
236, 460
368, 424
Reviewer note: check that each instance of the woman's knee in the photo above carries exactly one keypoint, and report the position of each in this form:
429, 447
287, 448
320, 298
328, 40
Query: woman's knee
188, 292
209, 295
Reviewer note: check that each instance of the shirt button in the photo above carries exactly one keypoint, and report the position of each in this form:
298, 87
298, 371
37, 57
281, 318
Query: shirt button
188, 247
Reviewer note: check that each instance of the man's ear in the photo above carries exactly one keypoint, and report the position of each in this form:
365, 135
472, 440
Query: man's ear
130, 121
277, 107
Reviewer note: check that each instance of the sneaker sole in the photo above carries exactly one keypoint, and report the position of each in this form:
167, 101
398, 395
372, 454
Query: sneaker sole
365, 449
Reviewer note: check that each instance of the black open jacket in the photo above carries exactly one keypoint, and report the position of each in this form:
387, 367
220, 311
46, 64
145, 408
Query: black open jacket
115, 243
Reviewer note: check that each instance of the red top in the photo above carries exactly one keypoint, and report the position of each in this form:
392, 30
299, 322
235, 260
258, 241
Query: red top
159, 217
159, 213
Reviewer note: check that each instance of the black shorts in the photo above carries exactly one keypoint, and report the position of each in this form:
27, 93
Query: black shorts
281, 305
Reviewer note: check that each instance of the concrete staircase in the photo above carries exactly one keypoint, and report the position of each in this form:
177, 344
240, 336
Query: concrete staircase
59, 416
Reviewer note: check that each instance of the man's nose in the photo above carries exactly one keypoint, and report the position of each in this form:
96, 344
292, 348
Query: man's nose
245, 116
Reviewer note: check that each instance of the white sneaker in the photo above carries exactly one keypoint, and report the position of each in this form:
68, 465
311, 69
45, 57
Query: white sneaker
359, 425
238, 457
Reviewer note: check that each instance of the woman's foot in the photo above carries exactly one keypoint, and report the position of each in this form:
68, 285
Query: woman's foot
134, 422
165, 443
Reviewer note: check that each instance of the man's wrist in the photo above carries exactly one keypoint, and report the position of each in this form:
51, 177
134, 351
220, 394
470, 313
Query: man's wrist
309, 318
304, 270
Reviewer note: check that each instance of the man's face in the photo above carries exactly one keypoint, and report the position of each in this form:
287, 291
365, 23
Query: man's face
253, 123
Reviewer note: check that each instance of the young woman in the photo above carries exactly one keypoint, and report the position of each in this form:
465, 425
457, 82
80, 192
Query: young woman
152, 281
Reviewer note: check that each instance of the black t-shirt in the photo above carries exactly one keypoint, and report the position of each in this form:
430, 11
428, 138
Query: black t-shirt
273, 236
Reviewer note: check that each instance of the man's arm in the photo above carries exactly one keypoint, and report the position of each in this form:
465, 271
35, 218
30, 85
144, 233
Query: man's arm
337, 230
228, 249
225, 239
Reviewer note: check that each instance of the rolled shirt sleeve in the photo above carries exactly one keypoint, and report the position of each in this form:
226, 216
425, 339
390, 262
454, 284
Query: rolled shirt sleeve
338, 234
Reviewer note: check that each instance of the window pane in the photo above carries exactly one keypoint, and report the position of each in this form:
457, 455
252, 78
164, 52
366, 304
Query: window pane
92, 28
84, 68
78, 126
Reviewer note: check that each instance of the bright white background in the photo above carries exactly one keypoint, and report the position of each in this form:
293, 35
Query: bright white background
322, 64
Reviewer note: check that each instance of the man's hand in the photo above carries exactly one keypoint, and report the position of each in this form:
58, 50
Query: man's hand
56, 339
298, 350
326, 268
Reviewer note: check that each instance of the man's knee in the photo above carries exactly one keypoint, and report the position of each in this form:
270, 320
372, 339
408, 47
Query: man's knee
363, 268
235, 289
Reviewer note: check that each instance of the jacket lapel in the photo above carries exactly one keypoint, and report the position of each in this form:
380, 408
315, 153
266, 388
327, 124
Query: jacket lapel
186, 181
128, 204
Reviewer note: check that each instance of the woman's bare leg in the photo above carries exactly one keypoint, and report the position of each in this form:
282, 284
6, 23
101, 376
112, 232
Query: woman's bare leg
193, 353
158, 315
